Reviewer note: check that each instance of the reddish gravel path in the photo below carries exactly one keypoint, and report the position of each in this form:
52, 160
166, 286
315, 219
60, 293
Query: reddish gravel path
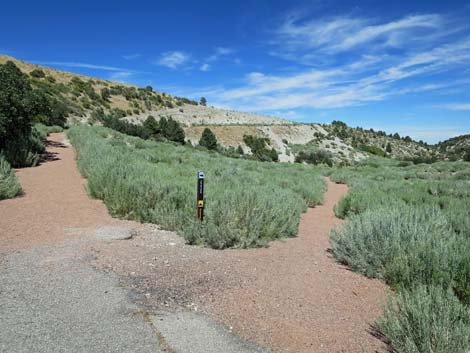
291, 297
54, 201
298, 297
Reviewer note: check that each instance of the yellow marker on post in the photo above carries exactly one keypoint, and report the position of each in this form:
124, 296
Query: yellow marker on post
200, 195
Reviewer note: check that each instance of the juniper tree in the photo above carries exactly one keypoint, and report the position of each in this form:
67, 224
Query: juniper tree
208, 139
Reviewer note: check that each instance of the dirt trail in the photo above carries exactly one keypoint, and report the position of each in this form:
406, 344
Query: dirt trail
298, 297
54, 202
291, 296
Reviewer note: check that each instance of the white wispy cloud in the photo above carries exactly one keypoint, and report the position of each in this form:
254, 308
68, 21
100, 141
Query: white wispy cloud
205, 67
180, 59
362, 81
80, 65
457, 106
371, 75
120, 76
131, 56
342, 33
220, 52
173, 59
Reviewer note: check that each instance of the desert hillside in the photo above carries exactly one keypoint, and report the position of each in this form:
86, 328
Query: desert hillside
85, 99
456, 148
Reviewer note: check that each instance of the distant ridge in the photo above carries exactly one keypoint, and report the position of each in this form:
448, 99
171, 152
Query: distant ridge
84, 97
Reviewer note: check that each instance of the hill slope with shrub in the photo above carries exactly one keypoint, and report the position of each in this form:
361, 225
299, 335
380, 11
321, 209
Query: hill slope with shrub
80, 98
456, 148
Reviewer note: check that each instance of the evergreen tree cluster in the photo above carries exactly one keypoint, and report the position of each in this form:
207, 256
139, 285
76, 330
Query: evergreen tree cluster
259, 148
165, 128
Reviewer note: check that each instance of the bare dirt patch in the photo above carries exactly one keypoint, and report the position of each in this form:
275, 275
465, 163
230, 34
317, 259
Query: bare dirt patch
54, 199
291, 296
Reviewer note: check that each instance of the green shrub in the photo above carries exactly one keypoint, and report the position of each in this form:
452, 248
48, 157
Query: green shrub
9, 185
19, 105
208, 139
152, 126
404, 246
125, 127
408, 225
373, 149
426, 320
37, 73
259, 149
421, 159
172, 130
315, 157
105, 94
17, 102
25, 150
247, 203
44, 130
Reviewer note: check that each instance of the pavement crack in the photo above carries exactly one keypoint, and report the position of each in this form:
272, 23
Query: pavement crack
164, 345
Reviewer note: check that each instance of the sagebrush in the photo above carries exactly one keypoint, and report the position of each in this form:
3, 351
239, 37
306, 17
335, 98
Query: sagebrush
409, 225
9, 185
426, 319
248, 203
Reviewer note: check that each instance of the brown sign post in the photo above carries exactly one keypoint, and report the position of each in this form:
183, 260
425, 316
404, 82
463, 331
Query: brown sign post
200, 195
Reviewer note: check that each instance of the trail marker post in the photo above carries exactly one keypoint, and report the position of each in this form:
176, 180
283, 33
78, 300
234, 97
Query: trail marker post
200, 195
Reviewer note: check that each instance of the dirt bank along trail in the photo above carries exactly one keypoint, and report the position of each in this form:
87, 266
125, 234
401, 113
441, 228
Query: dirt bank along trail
289, 297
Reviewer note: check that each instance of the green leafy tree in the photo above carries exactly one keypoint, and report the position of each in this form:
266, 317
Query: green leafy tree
203, 101
208, 139
388, 149
15, 93
19, 104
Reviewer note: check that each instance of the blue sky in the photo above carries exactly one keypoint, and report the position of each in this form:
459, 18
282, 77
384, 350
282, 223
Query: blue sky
397, 66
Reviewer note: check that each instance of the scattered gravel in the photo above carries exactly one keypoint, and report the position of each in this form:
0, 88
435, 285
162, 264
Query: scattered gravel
52, 299
114, 233
290, 297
